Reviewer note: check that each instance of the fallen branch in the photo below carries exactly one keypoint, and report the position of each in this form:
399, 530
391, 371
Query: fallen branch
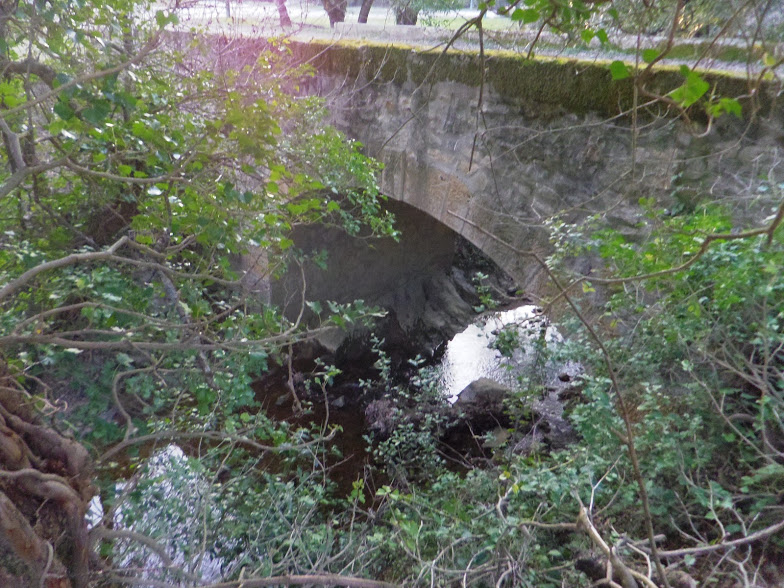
762, 534
627, 575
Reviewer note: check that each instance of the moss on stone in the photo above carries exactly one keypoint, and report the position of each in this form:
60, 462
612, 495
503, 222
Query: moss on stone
576, 86
728, 53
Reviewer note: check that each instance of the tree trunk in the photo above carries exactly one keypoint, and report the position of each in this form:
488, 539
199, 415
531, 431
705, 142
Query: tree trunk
364, 11
228, 8
405, 15
285, 21
336, 10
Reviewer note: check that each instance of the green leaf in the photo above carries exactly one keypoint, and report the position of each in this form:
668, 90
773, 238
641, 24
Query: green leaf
649, 55
725, 105
97, 112
527, 16
692, 90
63, 110
619, 70
164, 18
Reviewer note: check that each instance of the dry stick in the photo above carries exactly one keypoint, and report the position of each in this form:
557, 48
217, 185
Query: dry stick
639, 80
290, 381
15, 179
100, 532
13, 147
627, 439
539, 33
130, 428
613, 561
168, 177
720, 34
104, 533
131, 345
117, 310
762, 534
108, 255
47, 567
635, 105
670, 40
457, 34
29, 66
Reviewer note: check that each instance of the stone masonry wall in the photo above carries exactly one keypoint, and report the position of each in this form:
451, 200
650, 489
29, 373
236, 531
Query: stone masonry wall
496, 161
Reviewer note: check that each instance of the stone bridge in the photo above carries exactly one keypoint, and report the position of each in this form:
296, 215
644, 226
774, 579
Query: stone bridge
496, 159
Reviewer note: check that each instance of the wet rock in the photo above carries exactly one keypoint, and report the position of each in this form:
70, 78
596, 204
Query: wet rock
331, 339
464, 287
480, 407
483, 391
558, 432
531, 443
380, 417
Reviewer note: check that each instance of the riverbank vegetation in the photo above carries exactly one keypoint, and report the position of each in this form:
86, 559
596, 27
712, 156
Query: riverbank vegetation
147, 195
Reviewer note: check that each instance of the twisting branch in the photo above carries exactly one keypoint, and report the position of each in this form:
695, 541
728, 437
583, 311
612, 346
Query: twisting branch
15, 285
29, 66
148, 47
293, 580
15, 179
13, 146
769, 230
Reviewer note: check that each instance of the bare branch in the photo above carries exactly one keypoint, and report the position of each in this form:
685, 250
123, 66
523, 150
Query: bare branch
97, 533
726, 545
13, 146
768, 230
15, 180
29, 66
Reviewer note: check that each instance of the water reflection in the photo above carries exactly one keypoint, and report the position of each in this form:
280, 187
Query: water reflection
169, 500
470, 355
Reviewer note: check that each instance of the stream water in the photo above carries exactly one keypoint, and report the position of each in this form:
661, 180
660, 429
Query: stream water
474, 353
182, 498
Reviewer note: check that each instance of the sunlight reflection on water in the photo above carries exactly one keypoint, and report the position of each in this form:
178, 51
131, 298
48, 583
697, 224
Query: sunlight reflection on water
469, 355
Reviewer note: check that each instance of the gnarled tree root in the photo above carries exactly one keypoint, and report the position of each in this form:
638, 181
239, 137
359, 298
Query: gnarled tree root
45, 489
